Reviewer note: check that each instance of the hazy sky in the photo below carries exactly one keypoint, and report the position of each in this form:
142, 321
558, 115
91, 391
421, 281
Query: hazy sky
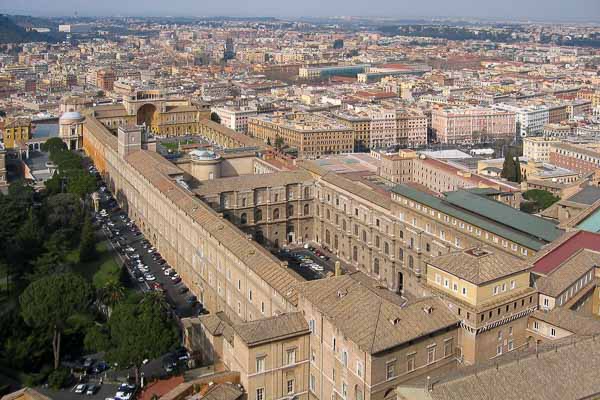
588, 10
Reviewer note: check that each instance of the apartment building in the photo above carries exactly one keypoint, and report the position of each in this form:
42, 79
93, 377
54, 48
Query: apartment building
271, 354
235, 118
489, 291
472, 125
364, 342
538, 148
311, 135
530, 118
584, 159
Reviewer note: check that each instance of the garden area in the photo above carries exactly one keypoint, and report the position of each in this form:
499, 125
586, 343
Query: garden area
62, 293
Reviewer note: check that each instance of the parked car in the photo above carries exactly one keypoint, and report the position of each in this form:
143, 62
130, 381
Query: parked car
92, 389
81, 388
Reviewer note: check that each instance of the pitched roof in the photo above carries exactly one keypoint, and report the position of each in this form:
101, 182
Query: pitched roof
567, 371
569, 320
562, 277
25, 394
504, 214
560, 250
588, 195
278, 327
223, 391
482, 216
370, 320
248, 182
479, 265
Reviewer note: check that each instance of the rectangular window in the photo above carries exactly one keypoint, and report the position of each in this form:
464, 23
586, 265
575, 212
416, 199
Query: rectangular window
431, 355
290, 386
390, 371
359, 369
499, 350
311, 325
438, 279
410, 363
312, 383
536, 325
260, 394
513, 284
291, 356
446, 283
464, 291
552, 332
448, 347
344, 390
260, 364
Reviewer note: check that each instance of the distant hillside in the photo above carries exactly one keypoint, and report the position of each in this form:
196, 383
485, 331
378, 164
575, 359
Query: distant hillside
10, 32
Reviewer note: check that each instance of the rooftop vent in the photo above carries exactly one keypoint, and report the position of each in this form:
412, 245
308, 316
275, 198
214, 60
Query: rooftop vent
394, 321
428, 309
342, 292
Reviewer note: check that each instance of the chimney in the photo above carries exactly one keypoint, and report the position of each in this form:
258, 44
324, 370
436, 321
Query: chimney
338, 269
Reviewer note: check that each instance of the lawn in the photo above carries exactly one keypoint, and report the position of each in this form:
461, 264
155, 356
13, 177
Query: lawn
102, 269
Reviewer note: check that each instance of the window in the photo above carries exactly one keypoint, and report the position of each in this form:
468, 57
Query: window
536, 326
290, 386
464, 291
262, 307
446, 283
513, 284
311, 325
504, 287
260, 364
306, 209
500, 335
291, 356
359, 369
410, 362
276, 213
510, 331
376, 266
546, 302
313, 356
250, 295
390, 372
496, 290
243, 219
260, 394
359, 394
552, 332
312, 383
345, 358
258, 215
455, 286
333, 343
499, 350
431, 355
438, 279
344, 390
511, 345
448, 345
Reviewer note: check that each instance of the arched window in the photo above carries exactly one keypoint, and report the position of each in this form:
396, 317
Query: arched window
306, 209
306, 192
401, 255
290, 210
243, 219
258, 215
276, 213
401, 234
376, 266
386, 248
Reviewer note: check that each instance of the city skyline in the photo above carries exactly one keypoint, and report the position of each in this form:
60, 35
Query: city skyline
579, 10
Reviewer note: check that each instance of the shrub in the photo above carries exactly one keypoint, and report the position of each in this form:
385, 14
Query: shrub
59, 378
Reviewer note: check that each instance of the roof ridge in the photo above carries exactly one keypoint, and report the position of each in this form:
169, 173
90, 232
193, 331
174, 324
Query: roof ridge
376, 325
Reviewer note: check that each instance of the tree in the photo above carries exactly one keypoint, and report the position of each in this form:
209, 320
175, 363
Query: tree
139, 331
509, 167
87, 243
81, 183
50, 301
54, 145
215, 117
338, 44
279, 142
518, 174
111, 294
64, 212
539, 199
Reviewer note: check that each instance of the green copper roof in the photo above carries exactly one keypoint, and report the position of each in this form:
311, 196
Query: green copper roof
490, 215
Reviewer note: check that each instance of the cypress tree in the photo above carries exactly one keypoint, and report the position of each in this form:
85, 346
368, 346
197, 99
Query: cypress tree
508, 168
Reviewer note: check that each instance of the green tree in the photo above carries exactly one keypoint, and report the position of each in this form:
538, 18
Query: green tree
539, 199
509, 167
139, 331
87, 243
518, 174
64, 211
111, 294
96, 339
54, 145
50, 301
279, 142
81, 183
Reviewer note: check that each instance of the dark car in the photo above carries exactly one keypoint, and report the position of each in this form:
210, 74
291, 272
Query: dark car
191, 299
100, 367
176, 280
169, 363
183, 290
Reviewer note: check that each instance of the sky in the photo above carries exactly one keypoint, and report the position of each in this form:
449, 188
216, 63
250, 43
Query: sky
549, 10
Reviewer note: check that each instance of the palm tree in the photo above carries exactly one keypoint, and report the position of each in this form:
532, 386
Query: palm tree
111, 294
156, 300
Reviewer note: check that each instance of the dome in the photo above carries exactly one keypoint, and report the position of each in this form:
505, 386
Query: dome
71, 116
203, 155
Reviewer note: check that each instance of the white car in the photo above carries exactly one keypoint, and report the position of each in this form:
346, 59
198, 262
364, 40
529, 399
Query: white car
80, 389
168, 271
123, 395
149, 277
316, 267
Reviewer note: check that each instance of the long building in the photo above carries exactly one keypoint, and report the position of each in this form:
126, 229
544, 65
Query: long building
472, 125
